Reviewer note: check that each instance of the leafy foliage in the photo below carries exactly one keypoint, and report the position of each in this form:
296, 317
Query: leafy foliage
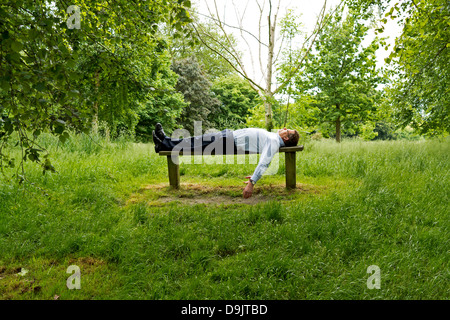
419, 95
421, 92
164, 106
54, 77
207, 53
196, 88
237, 98
341, 74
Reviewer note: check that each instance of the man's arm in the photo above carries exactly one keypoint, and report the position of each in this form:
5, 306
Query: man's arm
267, 154
266, 157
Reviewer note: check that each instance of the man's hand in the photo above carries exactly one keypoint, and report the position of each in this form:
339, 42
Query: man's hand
248, 190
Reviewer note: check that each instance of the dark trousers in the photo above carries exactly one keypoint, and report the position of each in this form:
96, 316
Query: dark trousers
212, 143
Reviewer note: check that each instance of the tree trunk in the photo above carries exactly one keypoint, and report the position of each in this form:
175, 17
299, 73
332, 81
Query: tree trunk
270, 56
338, 129
268, 113
338, 125
95, 117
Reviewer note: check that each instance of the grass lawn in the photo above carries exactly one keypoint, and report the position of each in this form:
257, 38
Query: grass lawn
110, 212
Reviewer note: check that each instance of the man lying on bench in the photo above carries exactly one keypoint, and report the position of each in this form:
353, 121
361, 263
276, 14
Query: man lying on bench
251, 140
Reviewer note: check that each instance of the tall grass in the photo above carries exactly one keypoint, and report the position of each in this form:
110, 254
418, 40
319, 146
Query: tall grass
384, 204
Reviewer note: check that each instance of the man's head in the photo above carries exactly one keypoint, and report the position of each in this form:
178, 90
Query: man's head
289, 136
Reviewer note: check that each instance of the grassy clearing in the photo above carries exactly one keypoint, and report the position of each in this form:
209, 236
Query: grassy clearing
110, 212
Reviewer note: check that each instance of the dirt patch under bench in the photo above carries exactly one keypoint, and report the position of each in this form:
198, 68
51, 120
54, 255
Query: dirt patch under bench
196, 193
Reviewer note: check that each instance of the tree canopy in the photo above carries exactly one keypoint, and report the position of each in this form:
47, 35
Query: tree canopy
419, 93
65, 64
196, 88
341, 74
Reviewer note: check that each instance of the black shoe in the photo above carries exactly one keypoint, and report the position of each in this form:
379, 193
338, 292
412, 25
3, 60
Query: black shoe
159, 131
157, 141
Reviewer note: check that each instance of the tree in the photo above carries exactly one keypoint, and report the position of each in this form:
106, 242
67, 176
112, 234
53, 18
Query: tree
422, 63
196, 88
42, 84
237, 99
420, 60
162, 104
264, 43
211, 62
341, 74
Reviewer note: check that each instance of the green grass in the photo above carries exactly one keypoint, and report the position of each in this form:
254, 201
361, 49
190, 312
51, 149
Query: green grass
109, 210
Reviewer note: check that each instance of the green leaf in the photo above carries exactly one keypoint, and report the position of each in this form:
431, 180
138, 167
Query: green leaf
74, 93
40, 86
64, 137
59, 129
47, 166
36, 133
16, 46
4, 85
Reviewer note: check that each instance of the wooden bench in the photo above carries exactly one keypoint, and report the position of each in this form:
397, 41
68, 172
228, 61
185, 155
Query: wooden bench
174, 166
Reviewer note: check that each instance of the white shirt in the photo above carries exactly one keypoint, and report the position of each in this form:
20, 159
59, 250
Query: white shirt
260, 141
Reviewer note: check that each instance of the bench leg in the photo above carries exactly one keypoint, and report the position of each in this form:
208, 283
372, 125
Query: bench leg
174, 171
291, 174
